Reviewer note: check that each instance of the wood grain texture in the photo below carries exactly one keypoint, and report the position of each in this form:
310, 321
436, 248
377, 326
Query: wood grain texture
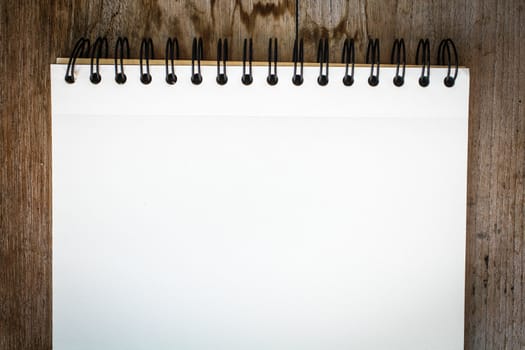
489, 35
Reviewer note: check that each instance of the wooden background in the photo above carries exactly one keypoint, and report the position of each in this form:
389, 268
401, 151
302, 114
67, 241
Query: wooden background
490, 38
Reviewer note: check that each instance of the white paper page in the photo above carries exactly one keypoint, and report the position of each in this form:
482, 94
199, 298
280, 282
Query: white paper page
258, 217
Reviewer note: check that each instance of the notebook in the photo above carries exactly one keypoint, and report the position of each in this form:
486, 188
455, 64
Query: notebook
258, 216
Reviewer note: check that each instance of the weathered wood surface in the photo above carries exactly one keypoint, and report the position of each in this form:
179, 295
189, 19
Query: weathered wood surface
489, 35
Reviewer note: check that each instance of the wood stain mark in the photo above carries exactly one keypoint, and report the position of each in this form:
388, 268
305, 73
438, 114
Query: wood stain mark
212, 7
153, 16
486, 279
203, 27
339, 30
313, 31
482, 235
264, 10
115, 14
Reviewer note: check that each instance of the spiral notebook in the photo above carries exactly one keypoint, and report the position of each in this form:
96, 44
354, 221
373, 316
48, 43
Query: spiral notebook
258, 216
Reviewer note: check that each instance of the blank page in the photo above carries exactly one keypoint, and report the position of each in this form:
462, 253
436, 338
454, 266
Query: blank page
258, 217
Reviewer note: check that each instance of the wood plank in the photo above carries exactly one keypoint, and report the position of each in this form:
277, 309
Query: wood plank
25, 176
490, 38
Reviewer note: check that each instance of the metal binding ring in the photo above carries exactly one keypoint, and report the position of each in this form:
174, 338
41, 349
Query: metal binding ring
247, 78
298, 56
372, 58
120, 77
172, 53
222, 55
398, 57
272, 78
146, 52
424, 47
323, 60
95, 77
347, 58
444, 46
196, 55
79, 50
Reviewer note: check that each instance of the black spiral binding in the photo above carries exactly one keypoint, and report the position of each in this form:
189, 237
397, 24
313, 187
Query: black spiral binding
399, 58
348, 58
247, 78
196, 55
122, 43
146, 52
323, 60
372, 58
447, 55
172, 54
424, 47
222, 55
81, 48
272, 78
101, 42
298, 57
444, 48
